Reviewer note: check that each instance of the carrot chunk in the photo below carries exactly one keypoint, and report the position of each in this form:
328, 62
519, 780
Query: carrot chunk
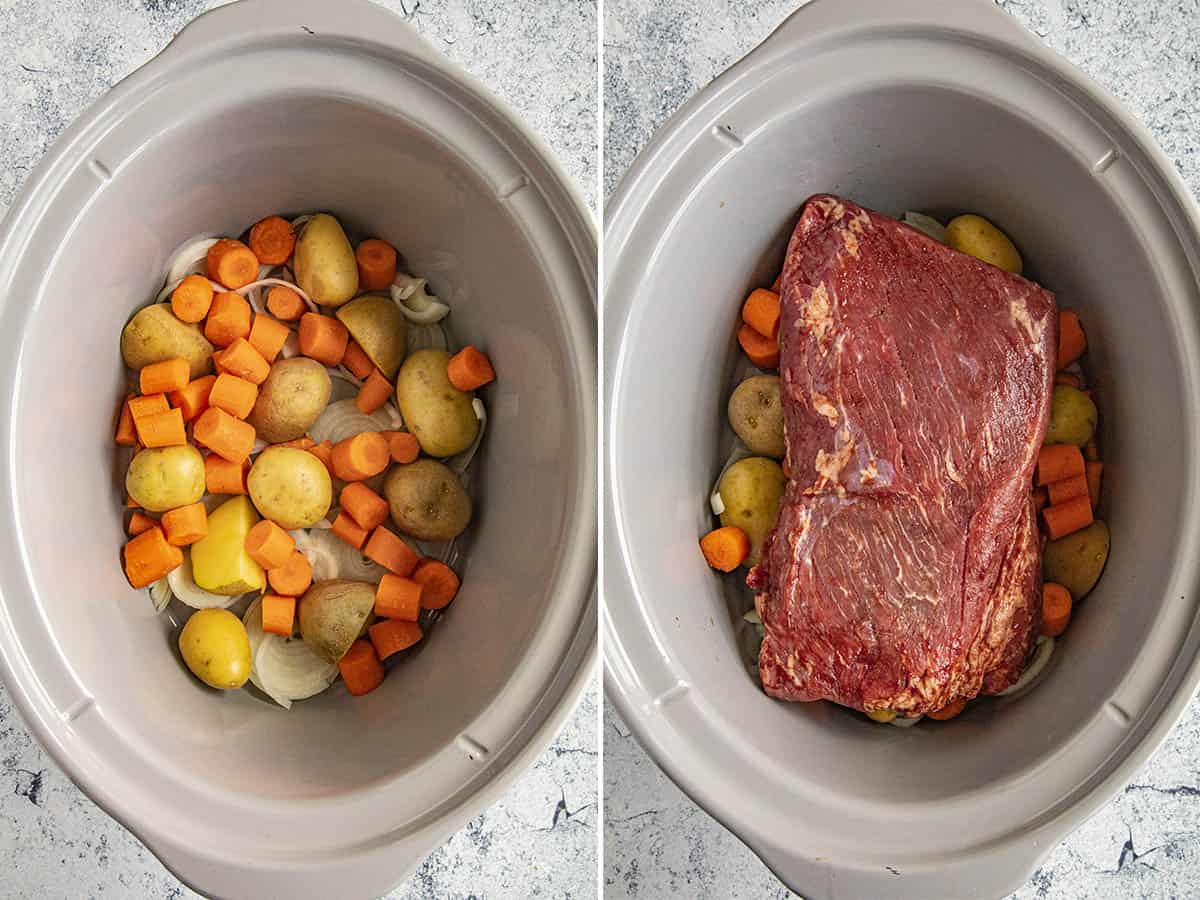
374, 392
356, 360
323, 338
376, 264
361, 669
231, 263
304, 442
269, 545
324, 452
763, 351
185, 524
1094, 470
469, 369
224, 477
278, 614
761, 312
391, 552
949, 711
1058, 461
725, 548
148, 557
1070, 379
364, 506
224, 435
234, 395
191, 300
140, 407
1062, 491
293, 578
398, 598
228, 319
349, 531
192, 399
1056, 609
272, 240
242, 360
360, 457
267, 336
164, 429
126, 435
140, 522
439, 584
404, 446
1072, 342
393, 635
1067, 517
164, 377
285, 304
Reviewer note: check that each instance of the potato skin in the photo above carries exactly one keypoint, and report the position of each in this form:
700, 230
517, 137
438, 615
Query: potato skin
1077, 560
324, 261
435, 411
294, 395
1073, 417
976, 236
332, 615
756, 415
751, 489
291, 487
154, 335
427, 501
163, 478
380, 329
215, 647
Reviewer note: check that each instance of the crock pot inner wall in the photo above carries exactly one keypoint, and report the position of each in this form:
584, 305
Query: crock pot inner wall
892, 148
220, 171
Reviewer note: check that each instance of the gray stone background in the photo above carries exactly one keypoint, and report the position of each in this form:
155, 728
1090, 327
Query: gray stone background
56, 57
657, 54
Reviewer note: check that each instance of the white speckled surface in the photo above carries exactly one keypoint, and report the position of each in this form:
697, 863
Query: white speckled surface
1146, 842
56, 58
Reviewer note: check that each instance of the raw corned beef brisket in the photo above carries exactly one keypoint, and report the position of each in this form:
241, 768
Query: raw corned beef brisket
904, 570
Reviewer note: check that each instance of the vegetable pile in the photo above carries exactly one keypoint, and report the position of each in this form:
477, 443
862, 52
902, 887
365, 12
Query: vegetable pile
301, 440
1066, 489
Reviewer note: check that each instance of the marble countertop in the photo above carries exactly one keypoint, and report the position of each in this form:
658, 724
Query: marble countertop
1146, 842
55, 59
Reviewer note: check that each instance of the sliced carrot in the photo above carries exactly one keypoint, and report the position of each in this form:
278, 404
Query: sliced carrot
272, 240
126, 435
1056, 609
1072, 342
278, 614
1061, 491
140, 407
191, 300
393, 635
185, 524
228, 319
164, 377
391, 552
285, 304
1091, 451
148, 557
376, 264
1070, 379
224, 477
1094, 471
949, 711
292, 578
439, 584
403, 446
374, 392
398, 598
234, 395
360, 457
1067, 517
324, 452
269, 545
163, 429
763, 351
1058, 461
224, 435
323, 338
349, 531
761, 312
242, 360
725, 548
361, 669
140, 522
192, 399
231, 263
301, 443
469, 369
130, 503
268, 336
364, 506
356, 361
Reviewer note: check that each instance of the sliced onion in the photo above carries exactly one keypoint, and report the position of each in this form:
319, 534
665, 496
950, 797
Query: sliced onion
342, 419
394, 418
254, 632
415, 302
331, 557
301, 221
160, 593
320, 556
426, 337
258, 447
189, 259
740, 451
1037, 665
460, 462
926, 225
752, 617
346, 375
262, 282
183, 587
291, 346
905, 722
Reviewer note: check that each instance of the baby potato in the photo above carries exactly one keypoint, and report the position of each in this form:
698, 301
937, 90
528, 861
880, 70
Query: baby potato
435, 411
379, 328
427, 500
294, 395
1076, 561
215, 647
1073, 417
976, 236
162, 478
291, 487
751, 489
324, 261
757, 416
154, 335
332, 615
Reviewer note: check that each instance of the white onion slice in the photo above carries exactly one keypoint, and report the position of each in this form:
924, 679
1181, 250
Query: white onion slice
426, 337
740, 451
320, 556
254, 632
289, 669
751, 616
926, 225
189, 259
262, 282
342, 419
300, 221
331, 557
160, 593
415, 302
258, 447
1037, 665
291, 346
905, 722
346, 375
183, 587
394, 418
460, 462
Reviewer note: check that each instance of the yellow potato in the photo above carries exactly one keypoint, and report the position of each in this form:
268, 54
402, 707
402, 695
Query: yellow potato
427, 501
379, 328
162, 478
220, 563
290, 487
976, 236
751, 489
1073, 417
332, 615
882, 716
435, 411
1076, 561
154, 335
216, 648
324, 262
294, 395
756, 414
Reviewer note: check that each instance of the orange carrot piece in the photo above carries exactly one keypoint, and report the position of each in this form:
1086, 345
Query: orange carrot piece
360, 457
140, 522
285, 304
1091, 451
374, 392
267, 336
323, 338
192, 399
228, 319
763, 351
349, 531
324, 452
126, 435
278, 614
1094, 470
224, 435
376, 264
393, 635
391, 552
164, 377
1072, 342
1067, 517
272, 240
242, 360
130, 503
269, 545
1058, 461
234, 395
185, 524
140, 407
725, 548
949, 711
1070, 379
469, 369
404, 447
148, 557
1041, 499
361, 669
439, 584
356, 360
364, 506
304, 442
292, 578
224, 477
191, 300
777, 284
761, 312
163, 429
231, 263
1056, 609
1067, 489
398, 598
